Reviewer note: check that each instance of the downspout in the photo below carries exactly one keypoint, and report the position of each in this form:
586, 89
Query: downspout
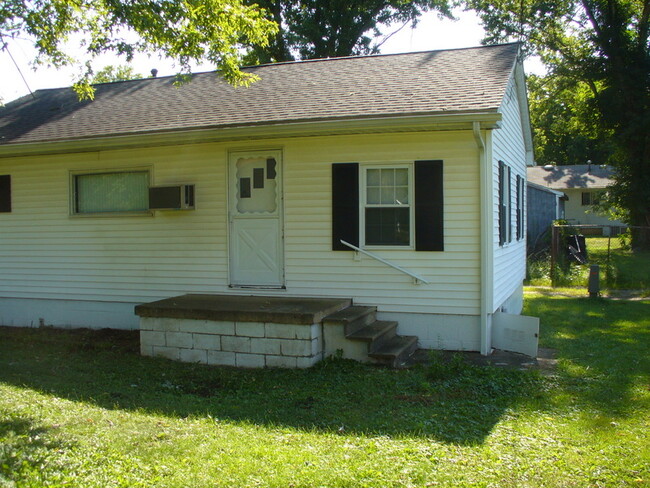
486, 233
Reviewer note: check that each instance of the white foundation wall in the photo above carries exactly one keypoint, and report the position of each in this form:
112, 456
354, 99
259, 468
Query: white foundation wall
60, 268
508, 146
439, 331
28, 312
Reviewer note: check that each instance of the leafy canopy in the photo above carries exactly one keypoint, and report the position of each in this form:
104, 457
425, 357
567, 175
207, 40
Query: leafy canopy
567, 128
312, 29
600, 50
110, 73
181, 30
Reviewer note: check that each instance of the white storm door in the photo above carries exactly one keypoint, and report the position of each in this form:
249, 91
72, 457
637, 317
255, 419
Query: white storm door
256, 237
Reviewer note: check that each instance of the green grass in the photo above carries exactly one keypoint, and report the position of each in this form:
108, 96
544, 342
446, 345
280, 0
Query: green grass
83, 409
620, 268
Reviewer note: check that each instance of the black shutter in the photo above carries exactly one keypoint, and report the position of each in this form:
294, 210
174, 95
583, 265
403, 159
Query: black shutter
517, 207
509, 202
429, 206
345, 205
5, 193
520, 208
502, 207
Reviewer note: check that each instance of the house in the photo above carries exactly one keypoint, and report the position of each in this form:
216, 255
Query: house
543, 206
582, 184
380, 193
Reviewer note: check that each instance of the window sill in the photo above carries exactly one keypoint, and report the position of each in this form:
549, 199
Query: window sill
388, 248
102, 215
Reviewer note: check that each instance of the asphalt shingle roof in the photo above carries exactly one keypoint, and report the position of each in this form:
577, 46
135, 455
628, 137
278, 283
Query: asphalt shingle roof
432, 82
571, 176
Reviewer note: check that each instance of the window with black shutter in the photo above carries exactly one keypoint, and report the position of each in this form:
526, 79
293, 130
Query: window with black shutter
397, 205
520, 207
5, 193
505, 204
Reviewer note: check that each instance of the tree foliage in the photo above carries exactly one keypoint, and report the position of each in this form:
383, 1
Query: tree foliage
312, 29
184, 30
602, 45
566, 126
110, 74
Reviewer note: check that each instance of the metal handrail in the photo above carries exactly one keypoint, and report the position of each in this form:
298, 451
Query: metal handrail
416, 279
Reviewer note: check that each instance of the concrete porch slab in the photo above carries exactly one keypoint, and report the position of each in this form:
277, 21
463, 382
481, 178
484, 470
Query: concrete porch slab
237, 308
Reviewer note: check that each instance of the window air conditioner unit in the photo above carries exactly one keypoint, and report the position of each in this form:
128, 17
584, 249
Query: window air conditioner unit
178, 197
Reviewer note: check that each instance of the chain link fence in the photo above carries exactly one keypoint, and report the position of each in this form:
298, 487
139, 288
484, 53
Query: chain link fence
570, 251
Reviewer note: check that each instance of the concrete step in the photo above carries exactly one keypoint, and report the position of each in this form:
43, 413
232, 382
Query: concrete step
352, 318
395, 351
375, 334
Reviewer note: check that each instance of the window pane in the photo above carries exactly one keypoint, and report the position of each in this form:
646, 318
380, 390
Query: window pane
373, 177
402, 177
387, 226
112, 192
373, 196
402, 195
387, 195
387, 177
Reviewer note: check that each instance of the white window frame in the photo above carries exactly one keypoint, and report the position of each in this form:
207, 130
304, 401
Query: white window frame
73, 189
363, 169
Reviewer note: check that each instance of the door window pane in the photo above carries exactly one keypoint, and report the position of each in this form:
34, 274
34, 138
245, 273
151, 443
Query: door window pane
260, 198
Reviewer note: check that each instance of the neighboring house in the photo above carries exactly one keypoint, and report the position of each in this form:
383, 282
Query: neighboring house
418, 159
582, 184
543, 206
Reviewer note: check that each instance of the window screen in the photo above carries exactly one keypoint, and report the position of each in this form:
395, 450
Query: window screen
111, 192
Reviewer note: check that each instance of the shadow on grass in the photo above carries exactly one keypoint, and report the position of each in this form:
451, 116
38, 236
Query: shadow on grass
25, 450
459, 405
602, 349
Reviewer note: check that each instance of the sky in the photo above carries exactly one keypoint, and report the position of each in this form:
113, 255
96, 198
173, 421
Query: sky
431, 33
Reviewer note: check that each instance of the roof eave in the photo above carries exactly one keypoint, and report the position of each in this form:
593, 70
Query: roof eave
489, 119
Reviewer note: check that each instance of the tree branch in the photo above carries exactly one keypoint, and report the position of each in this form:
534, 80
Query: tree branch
644, 25
388, 36
592, 18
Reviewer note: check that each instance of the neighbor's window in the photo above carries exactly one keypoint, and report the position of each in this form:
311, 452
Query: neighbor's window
387, 206
124, 191
591, 197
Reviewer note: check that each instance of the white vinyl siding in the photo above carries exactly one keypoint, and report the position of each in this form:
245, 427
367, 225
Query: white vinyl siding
46, 253
508, 146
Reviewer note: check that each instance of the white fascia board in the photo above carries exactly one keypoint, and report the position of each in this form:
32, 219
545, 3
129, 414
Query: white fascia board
417, 123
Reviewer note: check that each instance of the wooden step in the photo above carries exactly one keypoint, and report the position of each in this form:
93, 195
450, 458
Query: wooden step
376, 334
395, 351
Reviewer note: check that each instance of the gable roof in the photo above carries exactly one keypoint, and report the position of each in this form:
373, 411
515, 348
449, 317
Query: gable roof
471, 80
572, 176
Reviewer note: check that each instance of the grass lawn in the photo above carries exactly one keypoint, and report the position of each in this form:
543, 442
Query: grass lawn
83, 409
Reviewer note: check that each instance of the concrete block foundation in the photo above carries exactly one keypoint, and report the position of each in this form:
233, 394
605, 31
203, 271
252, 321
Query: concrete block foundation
247, 332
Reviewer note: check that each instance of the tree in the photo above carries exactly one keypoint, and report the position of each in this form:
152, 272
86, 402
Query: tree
566, 127
603, 45
110, 74
312, 29
185, 31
